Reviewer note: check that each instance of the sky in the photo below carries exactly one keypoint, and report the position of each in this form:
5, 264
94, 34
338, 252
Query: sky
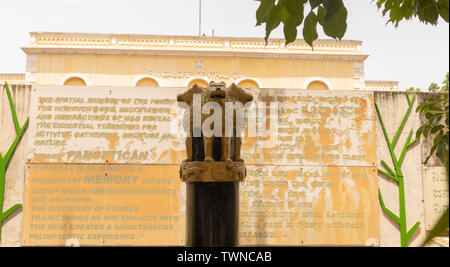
414, 54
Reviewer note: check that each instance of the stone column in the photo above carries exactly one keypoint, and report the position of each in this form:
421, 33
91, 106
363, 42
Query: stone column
212, 208
212, 214
212, 185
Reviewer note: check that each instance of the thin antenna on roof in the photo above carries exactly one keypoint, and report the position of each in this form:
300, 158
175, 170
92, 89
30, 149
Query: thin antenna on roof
199, 17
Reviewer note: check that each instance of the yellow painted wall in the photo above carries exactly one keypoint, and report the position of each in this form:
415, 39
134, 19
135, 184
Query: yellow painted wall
123, 70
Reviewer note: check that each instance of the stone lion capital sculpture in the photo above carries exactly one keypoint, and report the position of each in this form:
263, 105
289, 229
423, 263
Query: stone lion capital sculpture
222, 161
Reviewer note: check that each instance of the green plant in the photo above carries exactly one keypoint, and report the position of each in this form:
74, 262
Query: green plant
435, 88
331, 15
4, 160
413, 89
436, 112
396, 174
427, 11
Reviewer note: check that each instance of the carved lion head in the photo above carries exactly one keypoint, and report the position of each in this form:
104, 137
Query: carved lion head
216, 91
236, 93
187, 97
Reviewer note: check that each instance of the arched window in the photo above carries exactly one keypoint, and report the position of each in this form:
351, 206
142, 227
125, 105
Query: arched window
317, 83
146, 82
75, 80
199, 81
248, 83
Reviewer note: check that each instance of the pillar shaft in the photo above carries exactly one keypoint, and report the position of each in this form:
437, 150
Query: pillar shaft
212, 214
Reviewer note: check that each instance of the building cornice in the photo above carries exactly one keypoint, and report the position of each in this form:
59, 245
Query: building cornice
381, 85
13, 78
43, 42
112, 51
381, 82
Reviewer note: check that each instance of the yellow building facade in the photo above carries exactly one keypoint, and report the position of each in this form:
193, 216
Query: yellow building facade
181, 61
338, 176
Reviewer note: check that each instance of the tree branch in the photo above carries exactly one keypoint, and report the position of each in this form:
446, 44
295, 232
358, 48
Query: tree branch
388, 168
405, 147
390, 213
388, 175
402, 124
412, 230
9, 212
13, 109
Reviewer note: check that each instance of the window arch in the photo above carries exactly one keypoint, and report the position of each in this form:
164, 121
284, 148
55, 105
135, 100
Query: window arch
203, 82
248, 83
317, 83
146, 81
74, 80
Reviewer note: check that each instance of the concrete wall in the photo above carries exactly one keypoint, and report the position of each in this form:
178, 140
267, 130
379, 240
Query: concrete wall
393, 106
15, 174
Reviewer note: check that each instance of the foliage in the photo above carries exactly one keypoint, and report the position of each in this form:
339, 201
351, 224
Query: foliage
436, 112
427, 11
434, 87
396, 174
4, 160
413, 89
331, 15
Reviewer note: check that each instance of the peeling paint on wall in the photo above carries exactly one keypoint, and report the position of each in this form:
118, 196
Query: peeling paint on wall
312, 199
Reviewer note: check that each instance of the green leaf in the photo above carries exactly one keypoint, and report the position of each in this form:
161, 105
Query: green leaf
310, 28
441, 152
263, 11
290, 32
332, 7
434, 107
419, 132
440, 227
335, 26
421, 106
436, 143
292, 17
427, 11
315, 3
296, 10
436, 119
446, 139
436, 128
444, 13
438, 138
273, 21
426, 130
428, 115
284, 14
388, 6
380, 3
321, 13
428, 14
